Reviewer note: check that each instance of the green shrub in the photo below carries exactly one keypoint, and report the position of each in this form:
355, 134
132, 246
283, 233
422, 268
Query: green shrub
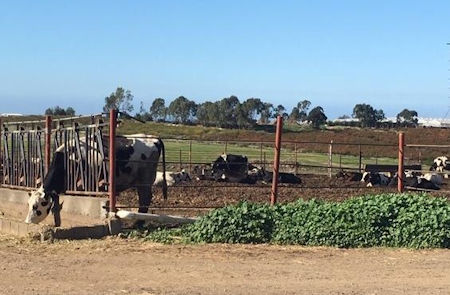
394, 220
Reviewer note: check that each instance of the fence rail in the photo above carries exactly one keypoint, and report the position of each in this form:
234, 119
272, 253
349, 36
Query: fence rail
89, 148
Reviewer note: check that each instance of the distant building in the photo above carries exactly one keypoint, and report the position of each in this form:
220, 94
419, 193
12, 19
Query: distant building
11, 115
434, 122
423, 122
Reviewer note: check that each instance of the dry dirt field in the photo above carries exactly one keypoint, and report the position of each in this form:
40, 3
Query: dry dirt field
118, 266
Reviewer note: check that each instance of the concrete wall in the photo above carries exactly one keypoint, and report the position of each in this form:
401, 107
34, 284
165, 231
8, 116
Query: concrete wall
86, 206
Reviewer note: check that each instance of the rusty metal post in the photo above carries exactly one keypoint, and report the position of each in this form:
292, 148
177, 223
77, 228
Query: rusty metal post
112, 160
48, 142
360, 159
296, 159
2, 166
261, 152
190, 156
276, 161
330, 158
401, 145
264, 160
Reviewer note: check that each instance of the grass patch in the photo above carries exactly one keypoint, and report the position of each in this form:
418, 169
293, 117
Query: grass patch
386, 220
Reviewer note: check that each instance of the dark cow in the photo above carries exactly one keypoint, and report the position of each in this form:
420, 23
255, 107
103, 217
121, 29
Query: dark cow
349, 176
375, 179
202, 172
256, 173
137, 159
230, 168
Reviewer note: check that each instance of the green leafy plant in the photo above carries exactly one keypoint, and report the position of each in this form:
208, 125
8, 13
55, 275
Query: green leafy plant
393, 220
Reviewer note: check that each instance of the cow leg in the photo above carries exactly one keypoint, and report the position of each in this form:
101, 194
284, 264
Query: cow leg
56, 210
145, 197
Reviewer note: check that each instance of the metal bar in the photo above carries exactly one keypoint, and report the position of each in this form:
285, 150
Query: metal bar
276, 161
2, 164
83, 193
48, 134
330, 158
401, 145
112, 160
360, 158
190, 156
428, 145
296, 159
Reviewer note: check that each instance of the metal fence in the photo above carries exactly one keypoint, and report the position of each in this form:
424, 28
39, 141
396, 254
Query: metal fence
26, 149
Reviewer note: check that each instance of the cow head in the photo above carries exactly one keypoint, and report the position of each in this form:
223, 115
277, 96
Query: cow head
39, 205
440, 163
183, 176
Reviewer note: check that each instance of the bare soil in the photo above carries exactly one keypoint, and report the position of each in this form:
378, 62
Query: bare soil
117, 266
215, 194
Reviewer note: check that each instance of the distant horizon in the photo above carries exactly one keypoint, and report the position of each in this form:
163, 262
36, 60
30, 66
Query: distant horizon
391, 55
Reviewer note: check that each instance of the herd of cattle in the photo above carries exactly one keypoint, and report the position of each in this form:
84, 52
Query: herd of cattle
235, 168
227, 168
432, 180
137, 161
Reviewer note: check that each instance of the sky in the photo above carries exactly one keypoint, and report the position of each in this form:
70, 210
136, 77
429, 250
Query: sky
389, 54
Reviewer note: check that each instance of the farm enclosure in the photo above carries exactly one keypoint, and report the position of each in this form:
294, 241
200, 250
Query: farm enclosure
315, 161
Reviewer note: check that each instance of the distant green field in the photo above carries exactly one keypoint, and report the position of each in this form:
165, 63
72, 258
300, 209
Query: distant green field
205, 152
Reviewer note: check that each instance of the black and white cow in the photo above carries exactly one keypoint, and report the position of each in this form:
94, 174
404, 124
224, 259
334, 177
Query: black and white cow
260, 174
440, 164
202, 172
230, 168
428, 181
349, 176
375, 179
137, 160
172, 178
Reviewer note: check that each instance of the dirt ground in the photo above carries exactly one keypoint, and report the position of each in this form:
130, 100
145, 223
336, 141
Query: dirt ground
218, 194
118, 266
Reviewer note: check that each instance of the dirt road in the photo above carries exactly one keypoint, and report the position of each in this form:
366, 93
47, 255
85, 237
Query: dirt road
116, 266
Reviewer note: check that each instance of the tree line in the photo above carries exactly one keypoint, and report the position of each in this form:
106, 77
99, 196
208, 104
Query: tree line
230, 112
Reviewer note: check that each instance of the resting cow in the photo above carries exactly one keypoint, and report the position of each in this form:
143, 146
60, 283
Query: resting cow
230, 168
427, 181
137, 160
349, 176
375, 179
172, 178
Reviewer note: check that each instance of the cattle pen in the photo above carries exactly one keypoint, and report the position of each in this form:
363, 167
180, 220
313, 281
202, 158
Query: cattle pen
27, 148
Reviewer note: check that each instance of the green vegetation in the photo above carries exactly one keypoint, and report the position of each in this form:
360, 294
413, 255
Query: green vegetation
387, 220
206, 152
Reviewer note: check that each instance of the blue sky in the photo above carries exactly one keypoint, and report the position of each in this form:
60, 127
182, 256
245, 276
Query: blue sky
390, 54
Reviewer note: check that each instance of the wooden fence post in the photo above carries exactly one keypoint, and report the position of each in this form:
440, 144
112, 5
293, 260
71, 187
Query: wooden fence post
112, 160
180, 162
276, 161
401, 145
296, 159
